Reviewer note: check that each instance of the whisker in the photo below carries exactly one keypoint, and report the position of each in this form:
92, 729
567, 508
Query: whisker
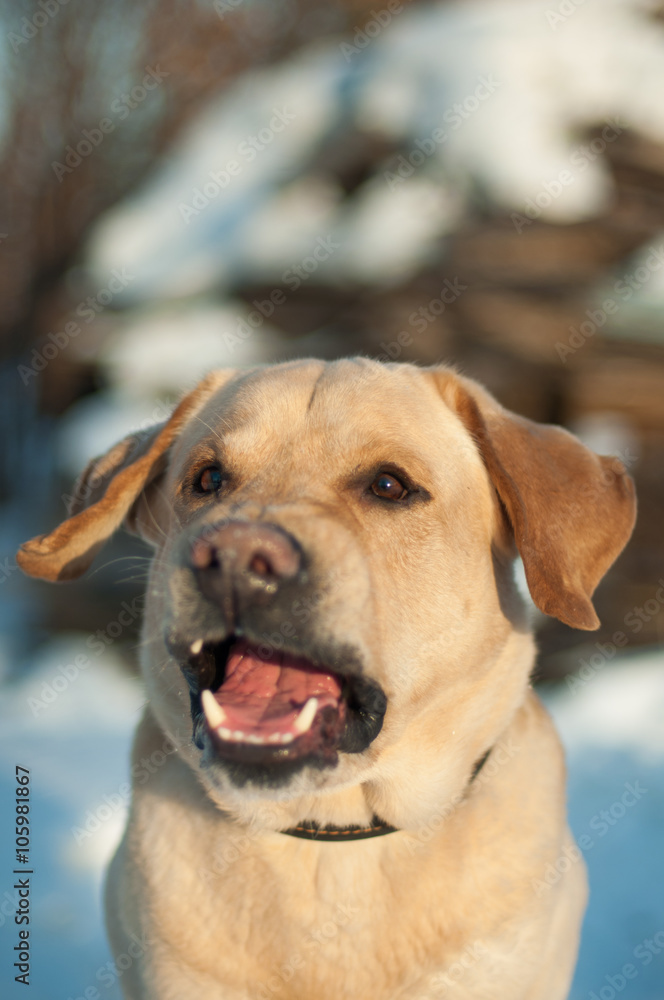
215, 433
111, 562
153, 518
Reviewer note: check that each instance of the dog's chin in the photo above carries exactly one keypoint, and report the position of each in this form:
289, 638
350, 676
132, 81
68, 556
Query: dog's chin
276, 720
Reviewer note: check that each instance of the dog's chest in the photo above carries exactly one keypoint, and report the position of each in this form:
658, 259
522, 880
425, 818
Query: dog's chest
342, 919
302, 916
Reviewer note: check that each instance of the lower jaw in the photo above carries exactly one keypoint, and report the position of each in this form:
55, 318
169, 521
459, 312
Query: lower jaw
240, 770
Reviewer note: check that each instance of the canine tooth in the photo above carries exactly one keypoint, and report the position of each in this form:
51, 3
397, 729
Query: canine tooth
214, 713
196, 647
225, 734
303, 722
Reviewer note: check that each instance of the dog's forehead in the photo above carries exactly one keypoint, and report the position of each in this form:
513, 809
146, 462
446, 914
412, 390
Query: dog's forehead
352, 402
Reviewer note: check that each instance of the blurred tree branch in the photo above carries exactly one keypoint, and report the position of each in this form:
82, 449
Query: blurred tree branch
70, 68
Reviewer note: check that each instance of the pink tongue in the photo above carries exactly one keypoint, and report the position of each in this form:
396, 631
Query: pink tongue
262, 696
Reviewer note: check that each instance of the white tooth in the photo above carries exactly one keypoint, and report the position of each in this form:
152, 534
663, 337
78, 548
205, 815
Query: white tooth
274, 738
214, 713
287, 738
303, 722
196, 647
238, 735
253, 738
224, 733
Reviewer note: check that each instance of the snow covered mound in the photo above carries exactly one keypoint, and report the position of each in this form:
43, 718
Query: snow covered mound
483, 97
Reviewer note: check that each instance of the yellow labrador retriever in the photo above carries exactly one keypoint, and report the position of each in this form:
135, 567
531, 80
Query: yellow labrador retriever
354, 791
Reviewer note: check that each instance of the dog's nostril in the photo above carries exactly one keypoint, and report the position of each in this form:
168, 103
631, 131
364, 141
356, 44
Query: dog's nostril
260, 565
203, 555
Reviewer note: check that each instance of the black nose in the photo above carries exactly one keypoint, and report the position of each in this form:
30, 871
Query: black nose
247, 559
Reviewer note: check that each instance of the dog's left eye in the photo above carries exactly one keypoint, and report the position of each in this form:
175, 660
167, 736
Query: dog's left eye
388, 487
210, 480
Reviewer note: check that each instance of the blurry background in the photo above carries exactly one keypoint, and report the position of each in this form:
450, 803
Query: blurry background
189, 184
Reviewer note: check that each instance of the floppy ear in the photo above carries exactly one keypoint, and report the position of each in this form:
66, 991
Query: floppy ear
571, 511
106, 492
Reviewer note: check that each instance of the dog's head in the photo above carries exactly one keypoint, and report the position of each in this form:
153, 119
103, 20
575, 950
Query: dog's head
331, 598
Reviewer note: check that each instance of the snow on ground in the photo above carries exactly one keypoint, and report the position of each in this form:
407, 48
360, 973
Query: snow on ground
75, 735
612, 725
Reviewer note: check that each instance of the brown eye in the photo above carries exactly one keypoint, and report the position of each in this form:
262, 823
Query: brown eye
210, 480
388, 487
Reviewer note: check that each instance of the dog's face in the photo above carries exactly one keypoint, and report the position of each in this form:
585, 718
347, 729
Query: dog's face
331, 601
326, 562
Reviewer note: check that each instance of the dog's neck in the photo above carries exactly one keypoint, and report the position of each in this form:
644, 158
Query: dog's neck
376, 828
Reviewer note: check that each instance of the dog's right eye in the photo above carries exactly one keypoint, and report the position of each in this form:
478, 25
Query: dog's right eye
388, 487
210, 480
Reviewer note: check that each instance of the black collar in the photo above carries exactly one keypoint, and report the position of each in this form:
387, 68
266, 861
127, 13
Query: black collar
376, 828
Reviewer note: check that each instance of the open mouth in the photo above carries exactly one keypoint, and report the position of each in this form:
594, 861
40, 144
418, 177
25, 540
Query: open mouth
257, 706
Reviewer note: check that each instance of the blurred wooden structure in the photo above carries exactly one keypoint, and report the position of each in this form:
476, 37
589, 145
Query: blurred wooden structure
523, 290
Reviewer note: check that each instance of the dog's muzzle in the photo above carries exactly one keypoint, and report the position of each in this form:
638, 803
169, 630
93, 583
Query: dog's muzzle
266, 698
